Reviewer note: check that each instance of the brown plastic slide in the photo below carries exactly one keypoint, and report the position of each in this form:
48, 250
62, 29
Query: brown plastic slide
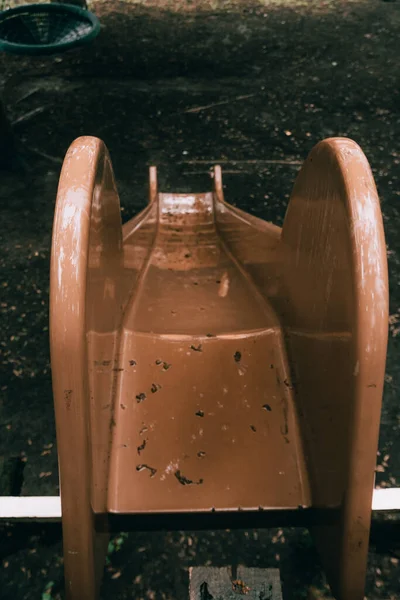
207, 362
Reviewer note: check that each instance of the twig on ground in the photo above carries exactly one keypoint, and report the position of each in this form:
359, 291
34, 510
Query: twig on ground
27, 95
226, 172
225, 161
28, 116
197, 109
53, 159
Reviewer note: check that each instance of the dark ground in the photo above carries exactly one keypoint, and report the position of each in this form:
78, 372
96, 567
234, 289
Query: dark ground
310, 70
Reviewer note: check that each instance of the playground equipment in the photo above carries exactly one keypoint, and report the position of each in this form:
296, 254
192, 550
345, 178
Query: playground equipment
211, 369
39, 29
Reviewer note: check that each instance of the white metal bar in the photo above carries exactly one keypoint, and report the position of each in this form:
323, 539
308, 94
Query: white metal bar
30, 507
49, 507
386, 499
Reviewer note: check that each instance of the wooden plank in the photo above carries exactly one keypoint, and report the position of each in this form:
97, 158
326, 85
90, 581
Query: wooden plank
217, 583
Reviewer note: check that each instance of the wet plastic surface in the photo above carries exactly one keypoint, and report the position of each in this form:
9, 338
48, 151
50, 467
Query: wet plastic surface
204, 386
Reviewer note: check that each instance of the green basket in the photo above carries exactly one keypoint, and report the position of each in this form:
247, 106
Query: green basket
46, 28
